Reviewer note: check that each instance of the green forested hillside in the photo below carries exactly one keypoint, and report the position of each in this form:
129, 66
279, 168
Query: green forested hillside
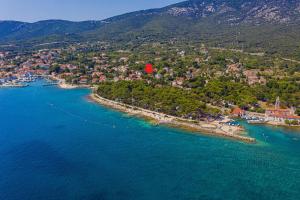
271, 26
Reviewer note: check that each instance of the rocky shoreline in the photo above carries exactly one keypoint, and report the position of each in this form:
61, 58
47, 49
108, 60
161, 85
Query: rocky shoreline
210, 128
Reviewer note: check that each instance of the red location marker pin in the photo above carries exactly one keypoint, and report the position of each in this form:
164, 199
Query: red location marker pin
149, 69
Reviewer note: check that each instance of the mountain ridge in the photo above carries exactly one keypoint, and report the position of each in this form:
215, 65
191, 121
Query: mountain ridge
265, 24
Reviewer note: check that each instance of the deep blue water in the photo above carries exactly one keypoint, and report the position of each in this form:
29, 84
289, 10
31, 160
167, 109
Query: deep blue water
57, 145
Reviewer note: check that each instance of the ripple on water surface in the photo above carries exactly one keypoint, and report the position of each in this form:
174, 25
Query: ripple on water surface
57, 145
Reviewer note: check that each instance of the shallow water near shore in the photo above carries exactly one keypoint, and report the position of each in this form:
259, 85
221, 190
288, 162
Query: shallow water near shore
58, 145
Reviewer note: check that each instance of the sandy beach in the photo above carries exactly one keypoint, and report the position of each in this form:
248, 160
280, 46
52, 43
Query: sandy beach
62, 84
211, 128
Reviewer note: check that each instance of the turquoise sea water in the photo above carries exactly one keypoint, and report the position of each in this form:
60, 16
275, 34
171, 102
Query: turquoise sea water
57, 145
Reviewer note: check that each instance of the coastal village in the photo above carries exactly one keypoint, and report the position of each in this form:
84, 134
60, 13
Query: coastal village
16, 68
273, 116
150, 100
92, 64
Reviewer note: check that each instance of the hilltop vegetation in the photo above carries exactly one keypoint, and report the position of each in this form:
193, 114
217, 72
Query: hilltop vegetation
271, 26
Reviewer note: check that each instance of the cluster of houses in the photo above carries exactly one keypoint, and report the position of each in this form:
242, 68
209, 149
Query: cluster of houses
39, 63
28, 67
252, 75
117, 69
98, 74
281, 115
274, 115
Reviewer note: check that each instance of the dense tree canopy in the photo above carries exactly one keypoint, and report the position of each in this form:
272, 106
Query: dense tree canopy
169, 100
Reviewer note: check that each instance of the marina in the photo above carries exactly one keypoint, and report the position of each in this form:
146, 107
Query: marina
18, 81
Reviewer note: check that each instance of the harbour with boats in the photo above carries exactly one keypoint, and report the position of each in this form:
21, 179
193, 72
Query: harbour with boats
276, 116
25, 80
